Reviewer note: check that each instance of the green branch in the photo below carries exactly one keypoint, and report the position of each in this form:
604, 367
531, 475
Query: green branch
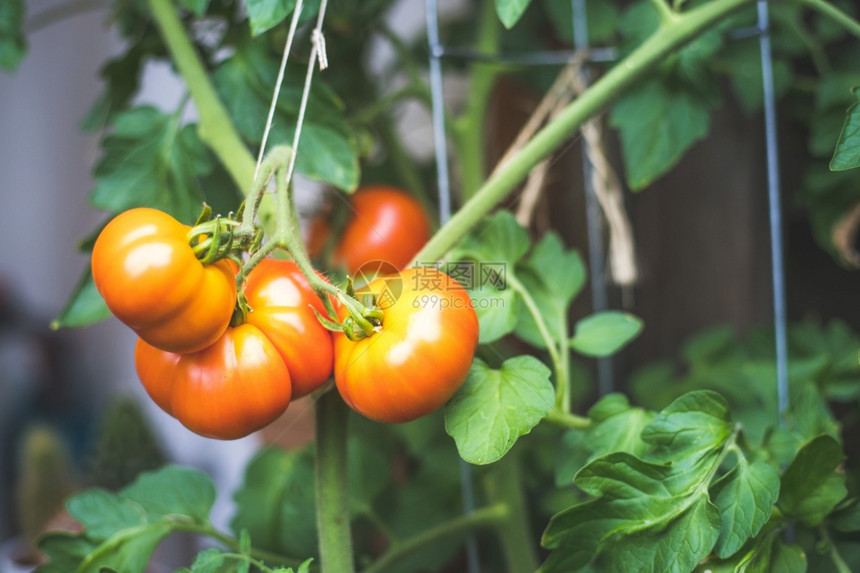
332, 487
457, 528
504, 487
834, 13
216, 129
664, 11
651, 53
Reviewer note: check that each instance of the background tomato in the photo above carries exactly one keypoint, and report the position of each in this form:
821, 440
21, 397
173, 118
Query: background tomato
226, 391
150, 279
420, 356
283, 304
386, 224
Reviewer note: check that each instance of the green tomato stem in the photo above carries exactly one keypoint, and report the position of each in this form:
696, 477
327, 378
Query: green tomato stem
625, 73
332, 485
503, 485
552, 345
567, 420
664, 11
834, 13
216, 128
457, 528
232, 543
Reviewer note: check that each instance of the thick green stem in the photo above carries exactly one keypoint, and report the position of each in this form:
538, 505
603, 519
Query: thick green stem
504, 487
332, 487
651, 53
458, 528
665, 12
468, 129
216, 128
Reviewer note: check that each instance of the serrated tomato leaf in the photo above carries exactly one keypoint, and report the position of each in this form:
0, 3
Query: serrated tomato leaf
151, 160
658, 122
276, 502
811, 485
123, 529
510, 11
327, 151
605, 333
745, 497
85, 305
494, 408
643, 519
847, 153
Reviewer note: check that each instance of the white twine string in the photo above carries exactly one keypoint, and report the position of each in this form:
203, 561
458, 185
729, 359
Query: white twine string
317, 52
293, 24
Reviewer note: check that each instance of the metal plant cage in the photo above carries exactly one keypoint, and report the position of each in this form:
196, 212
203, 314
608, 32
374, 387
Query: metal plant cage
439, 52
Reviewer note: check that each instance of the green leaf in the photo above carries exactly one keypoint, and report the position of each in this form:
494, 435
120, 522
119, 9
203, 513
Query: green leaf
847, 153
12, 43
551, 277
151, 160
85, 305
605, 333
497, 310
658, 122
500, 239
644, 519
494, 408
64, 551
745, 497
689, 429
128, 550
327, 151
216, 561
743, 60
616, 427
122, 76
276, 502
848, 517
492, 250
173, 490
103, 513
510, 11
266, 14
198, 7
811, 485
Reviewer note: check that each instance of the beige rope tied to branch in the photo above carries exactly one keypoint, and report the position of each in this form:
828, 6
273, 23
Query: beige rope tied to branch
605, 182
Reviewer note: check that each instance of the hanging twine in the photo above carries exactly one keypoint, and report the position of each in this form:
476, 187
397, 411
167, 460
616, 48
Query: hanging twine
604, 181
318, 52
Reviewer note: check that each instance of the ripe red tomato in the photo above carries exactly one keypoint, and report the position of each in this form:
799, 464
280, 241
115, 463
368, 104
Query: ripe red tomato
228, 390
421, 354
150, 279
386, 224
282, 307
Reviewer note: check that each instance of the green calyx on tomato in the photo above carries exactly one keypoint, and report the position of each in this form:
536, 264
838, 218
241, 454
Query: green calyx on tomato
419, 356
151, 280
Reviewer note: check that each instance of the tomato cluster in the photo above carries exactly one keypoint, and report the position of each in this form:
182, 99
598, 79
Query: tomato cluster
226, 366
